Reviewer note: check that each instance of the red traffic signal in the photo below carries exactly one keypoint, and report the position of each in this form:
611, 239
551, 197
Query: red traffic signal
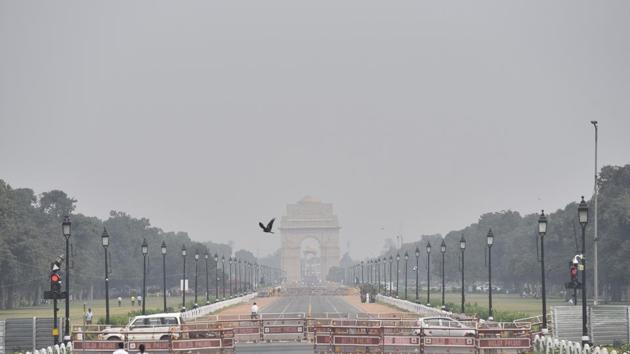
55, 278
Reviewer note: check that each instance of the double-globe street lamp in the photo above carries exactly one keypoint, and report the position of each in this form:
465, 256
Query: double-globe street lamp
462, 247
490, 240
65, 229
583, 219
443, 250
184, 278
428, 273
105, 243
542, 230
145, 250
163, 249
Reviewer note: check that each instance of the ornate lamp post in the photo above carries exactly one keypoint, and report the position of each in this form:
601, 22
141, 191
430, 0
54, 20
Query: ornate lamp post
542, 230
163, 248
196, 261
65, 229
428, 273
397, 271
362, 280
462, 247
105, 242
369, 271
384, 275
417, 272
216, 277
230, 262
391, 279
223, 275
443, 249
145, 251
378, 274
184, 278
583, 218
406, 271
490, 239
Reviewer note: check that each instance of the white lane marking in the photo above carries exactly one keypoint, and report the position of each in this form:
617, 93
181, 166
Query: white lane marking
331, 304
289, 303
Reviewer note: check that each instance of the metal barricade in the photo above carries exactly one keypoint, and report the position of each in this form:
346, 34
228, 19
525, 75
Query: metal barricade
497, 337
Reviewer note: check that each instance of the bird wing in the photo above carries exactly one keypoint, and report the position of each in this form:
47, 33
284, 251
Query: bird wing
261, 225
270, 225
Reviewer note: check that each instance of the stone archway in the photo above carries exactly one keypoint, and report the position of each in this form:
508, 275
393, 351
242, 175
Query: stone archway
309, 218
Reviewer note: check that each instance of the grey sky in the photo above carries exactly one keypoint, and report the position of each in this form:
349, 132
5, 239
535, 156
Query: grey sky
208, 116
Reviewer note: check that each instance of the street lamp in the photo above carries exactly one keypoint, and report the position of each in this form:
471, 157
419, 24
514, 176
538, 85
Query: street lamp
391, 279
145, 251
205, 256
196, 261
216, 277
105, 242
230, 261
362, 280
406, 271
184, 279
542, 230
462, 247
490, 239
397, 271
583, 218
378, 274
164, 272
443, 249
222, 275
65, 228
417, 271
428, 273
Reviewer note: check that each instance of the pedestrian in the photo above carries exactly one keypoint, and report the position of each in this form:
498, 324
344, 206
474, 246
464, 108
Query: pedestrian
88, 316
133, 301
121, 349
254, 310
140, 300
119, 301
142, 349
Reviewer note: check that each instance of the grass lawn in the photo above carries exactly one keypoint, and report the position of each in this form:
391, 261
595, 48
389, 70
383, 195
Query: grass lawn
98, 307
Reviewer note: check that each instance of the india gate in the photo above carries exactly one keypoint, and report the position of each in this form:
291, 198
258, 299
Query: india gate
309, 219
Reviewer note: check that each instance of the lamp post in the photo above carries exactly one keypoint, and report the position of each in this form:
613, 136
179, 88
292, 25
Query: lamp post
397, 271
145, 251
216, 277
65, 228
237, 266
406, 271
595, 235
164, 272
369, 271
196, 263
443, 249
105, 242
462, 247
490, 239
362, 280
417, 271
428, 273
223, 275
583, 218
378, 274
231, 261
184, 279
391, 280
384, 259
207, 278
542, 230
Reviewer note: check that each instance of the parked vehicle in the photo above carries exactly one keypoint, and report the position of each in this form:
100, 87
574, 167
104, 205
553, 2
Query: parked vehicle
150, 327
443, 327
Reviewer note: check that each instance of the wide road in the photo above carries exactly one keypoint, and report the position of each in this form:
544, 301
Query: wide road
292, 304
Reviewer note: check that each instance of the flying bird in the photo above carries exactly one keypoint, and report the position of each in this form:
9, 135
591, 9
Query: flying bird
267, 228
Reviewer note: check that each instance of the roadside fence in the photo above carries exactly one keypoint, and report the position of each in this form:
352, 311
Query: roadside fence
550, 345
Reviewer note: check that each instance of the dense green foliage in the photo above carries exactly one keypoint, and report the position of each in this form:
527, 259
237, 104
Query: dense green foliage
515, 264
30, 238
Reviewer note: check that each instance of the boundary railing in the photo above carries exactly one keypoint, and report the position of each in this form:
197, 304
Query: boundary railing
550, 345
56, 349
208, 309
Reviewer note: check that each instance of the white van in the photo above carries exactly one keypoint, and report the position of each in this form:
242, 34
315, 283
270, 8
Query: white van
146, 328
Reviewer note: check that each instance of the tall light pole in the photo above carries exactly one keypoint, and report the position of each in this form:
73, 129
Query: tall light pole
417, 272
163, 249
443, 249
205, 255
397, 271
406, 271
145, 251
237, 264
595, 236
428, 273
362, 280
391, 280
378, 274
105, 243
583, 218
385, 276
222, 275
542, 230
196, 276
216, 277
462, 247
490, 240
65, 229
184, 278
231, 260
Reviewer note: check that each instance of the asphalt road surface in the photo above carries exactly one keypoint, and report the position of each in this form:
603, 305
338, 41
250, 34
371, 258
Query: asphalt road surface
286, 304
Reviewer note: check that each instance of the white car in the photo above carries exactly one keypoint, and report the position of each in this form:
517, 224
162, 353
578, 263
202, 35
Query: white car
148, 328
443, 327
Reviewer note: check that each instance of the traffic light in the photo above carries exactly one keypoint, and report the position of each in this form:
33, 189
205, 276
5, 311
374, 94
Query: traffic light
55, 282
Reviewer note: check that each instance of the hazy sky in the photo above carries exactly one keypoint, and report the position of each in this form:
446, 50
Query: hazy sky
208, 116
